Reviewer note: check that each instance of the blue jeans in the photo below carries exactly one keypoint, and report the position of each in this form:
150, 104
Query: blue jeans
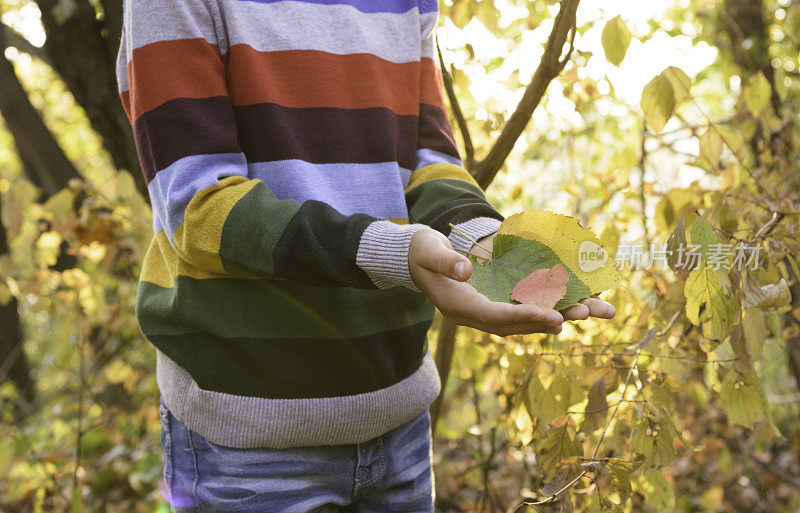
388, 474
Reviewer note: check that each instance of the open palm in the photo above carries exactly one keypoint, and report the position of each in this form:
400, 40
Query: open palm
590, 307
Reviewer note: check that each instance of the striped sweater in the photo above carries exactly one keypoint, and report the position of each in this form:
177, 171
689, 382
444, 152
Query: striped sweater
291, 149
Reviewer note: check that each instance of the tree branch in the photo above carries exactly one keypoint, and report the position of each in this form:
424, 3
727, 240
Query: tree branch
549, 68
484, 171
445, 346
469, 149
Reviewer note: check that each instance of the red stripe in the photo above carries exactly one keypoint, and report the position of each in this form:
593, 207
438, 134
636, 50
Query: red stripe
193, 68
166, 70
432, 84
312, 78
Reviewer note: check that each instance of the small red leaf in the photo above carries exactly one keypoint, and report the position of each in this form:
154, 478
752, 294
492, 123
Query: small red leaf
543, 287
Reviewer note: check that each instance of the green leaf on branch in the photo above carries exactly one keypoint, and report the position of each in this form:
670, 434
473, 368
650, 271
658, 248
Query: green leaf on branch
657, 491
681, 84
602, 505
711, 147
654, 441
557, 445
673, 205
616, 39
658, 102
548, 404
757, 93
621, 471
710, 303
742, 399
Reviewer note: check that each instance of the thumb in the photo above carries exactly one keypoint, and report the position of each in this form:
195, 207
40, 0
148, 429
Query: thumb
443, 260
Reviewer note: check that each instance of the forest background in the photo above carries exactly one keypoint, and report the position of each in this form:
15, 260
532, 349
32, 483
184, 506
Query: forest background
657, 123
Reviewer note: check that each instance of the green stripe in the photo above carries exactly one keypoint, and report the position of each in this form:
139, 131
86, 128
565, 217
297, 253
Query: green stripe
248, 242
427, 196
298, 368
228, 307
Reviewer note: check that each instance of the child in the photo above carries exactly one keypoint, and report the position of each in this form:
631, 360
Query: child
303, 177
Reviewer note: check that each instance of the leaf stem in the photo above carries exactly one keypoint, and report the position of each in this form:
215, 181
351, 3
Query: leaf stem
468, 253
469, 238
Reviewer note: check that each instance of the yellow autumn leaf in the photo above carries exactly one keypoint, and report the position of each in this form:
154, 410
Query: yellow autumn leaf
577, 247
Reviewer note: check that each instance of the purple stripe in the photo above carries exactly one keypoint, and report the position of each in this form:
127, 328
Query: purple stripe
374, 189
174, 187
427, 157
393, 6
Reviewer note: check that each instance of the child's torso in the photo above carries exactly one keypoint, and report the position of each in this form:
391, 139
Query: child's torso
327, 95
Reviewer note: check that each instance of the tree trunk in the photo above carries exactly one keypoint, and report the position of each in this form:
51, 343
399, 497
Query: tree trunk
83, 50
13, 362
42, 154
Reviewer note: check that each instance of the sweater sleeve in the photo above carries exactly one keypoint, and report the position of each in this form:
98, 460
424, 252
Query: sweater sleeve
171, 78
440, 190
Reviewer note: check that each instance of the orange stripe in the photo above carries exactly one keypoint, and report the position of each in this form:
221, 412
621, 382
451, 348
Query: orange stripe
312, 78
432, 84
165, 70
193, 68
125, 96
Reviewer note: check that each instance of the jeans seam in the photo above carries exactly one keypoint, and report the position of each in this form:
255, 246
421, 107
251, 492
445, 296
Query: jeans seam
167, 449
196, 472
379, 470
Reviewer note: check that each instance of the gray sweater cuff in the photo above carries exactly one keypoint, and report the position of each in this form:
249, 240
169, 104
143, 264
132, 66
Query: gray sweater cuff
477, 228
383, 253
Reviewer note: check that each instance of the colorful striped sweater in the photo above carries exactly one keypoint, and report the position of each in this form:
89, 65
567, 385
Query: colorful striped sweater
291, 149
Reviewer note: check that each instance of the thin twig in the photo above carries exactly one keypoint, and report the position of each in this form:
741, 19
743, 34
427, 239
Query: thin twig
469, 238
79, 431
550, 66
463, 127
594, 458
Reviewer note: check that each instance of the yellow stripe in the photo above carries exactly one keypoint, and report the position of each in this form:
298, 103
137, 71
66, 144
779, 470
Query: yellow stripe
162, 264
203, 245
437, 171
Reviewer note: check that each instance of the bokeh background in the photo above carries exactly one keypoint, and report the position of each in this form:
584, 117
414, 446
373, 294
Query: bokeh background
687, 401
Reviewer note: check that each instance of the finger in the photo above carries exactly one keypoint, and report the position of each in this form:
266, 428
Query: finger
474, 309
524, 329
576, 312
599, 308
506, 313
439, 258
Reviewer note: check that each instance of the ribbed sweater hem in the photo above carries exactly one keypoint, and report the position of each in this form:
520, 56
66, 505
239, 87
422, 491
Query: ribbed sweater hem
255, 422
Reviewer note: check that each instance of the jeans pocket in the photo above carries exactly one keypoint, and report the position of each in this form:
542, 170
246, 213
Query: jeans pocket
166, 447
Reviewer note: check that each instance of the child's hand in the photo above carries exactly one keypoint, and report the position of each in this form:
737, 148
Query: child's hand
593, 307
440, 273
